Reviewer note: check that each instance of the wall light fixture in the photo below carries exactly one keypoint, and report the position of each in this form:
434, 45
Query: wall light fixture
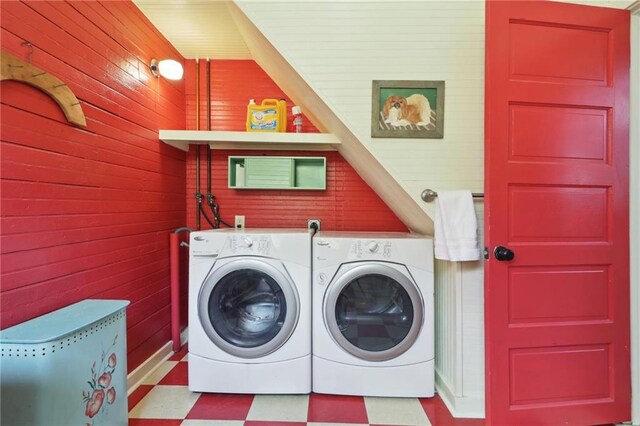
168, 68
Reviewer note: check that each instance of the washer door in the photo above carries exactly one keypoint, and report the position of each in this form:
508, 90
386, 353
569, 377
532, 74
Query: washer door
373, 312
248, 308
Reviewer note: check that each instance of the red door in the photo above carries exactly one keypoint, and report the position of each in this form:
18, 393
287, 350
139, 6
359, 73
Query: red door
557, 314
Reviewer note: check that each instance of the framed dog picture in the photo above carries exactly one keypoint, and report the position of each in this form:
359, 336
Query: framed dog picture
407, 109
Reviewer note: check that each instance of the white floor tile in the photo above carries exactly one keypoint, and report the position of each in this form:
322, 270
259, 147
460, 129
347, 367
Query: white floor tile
212, 423
165, 402
292, 408
159, 373
396, 411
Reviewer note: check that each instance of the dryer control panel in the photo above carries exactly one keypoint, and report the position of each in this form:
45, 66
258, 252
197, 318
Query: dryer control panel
338, 250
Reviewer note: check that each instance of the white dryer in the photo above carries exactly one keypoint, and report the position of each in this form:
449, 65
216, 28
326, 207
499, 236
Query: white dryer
373, 331
250, 311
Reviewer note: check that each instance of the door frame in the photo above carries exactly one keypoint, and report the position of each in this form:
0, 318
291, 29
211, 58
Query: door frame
634, 205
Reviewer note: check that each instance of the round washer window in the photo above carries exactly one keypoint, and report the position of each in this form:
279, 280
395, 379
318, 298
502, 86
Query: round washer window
373, 311
248, 307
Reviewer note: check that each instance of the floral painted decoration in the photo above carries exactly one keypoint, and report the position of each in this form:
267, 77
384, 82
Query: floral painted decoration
100, 384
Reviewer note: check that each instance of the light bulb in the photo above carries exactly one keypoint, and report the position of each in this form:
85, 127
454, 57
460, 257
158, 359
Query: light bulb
170, 69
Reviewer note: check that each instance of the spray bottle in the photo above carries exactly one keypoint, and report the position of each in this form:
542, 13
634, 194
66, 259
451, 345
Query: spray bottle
297, 118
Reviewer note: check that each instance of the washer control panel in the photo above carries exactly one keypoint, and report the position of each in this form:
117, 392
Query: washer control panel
371, 249
249, 244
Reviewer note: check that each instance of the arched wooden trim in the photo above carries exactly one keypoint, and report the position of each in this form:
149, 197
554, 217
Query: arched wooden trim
14, 68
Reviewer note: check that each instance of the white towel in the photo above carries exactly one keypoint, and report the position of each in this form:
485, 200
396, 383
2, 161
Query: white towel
456, 227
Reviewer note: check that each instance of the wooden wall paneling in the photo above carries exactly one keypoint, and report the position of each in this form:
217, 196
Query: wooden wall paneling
140, 354
202, 102
347, 204
82, 57
86, 214
190, 93
149, 327
21, 125
99, 16
95, 43
104, 255
32, 298
151, 304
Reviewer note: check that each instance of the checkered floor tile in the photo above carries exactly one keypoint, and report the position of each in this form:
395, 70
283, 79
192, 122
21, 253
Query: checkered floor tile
163, 399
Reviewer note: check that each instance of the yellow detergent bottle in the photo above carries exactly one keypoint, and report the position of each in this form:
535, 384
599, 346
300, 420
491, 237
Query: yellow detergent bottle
270, 116
282, 104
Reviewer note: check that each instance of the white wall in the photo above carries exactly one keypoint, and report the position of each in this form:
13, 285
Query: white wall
459, 296
340, 47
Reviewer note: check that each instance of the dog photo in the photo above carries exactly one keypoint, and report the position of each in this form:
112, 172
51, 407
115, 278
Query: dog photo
407, 109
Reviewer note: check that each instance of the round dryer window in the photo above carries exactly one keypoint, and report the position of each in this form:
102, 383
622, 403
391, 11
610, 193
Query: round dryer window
374, 312
248, 308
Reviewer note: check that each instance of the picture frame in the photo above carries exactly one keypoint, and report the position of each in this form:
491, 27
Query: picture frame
399, 109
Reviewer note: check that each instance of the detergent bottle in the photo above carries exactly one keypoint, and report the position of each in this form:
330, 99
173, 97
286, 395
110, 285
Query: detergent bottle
269, 116
282, 108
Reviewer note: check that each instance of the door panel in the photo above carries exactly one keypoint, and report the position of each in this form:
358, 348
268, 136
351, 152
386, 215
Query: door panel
534, 138
528, 287
536, 380
557, 315
552, 213
558, 52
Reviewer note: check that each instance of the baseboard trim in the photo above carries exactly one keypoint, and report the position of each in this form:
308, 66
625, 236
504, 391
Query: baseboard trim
137, 376
459, 407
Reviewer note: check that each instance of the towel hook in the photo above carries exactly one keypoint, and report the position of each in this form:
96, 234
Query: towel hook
31, 49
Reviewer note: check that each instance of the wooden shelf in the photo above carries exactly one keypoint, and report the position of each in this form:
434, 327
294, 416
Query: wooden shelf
181, 139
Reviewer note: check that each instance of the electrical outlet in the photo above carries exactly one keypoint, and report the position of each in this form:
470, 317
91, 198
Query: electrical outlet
239, 222
313, 224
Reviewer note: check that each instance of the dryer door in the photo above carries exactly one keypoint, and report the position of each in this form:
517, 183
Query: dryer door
374, 312
248, 307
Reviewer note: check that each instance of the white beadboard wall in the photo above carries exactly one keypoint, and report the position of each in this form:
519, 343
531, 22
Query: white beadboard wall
340, 47
459, 321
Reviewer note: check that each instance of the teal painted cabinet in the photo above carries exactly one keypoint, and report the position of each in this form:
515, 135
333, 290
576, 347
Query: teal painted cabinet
269, 172
68, 367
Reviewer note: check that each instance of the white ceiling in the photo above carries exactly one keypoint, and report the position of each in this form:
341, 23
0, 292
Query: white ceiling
205, 29
197, 28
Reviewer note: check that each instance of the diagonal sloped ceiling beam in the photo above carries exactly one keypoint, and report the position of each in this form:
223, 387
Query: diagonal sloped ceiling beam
317, 111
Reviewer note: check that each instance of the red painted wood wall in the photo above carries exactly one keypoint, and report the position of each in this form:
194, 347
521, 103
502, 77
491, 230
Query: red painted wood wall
348, 203
86, 213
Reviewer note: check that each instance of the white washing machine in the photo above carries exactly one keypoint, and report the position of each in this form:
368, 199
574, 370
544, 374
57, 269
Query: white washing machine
373, 331
250, 311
